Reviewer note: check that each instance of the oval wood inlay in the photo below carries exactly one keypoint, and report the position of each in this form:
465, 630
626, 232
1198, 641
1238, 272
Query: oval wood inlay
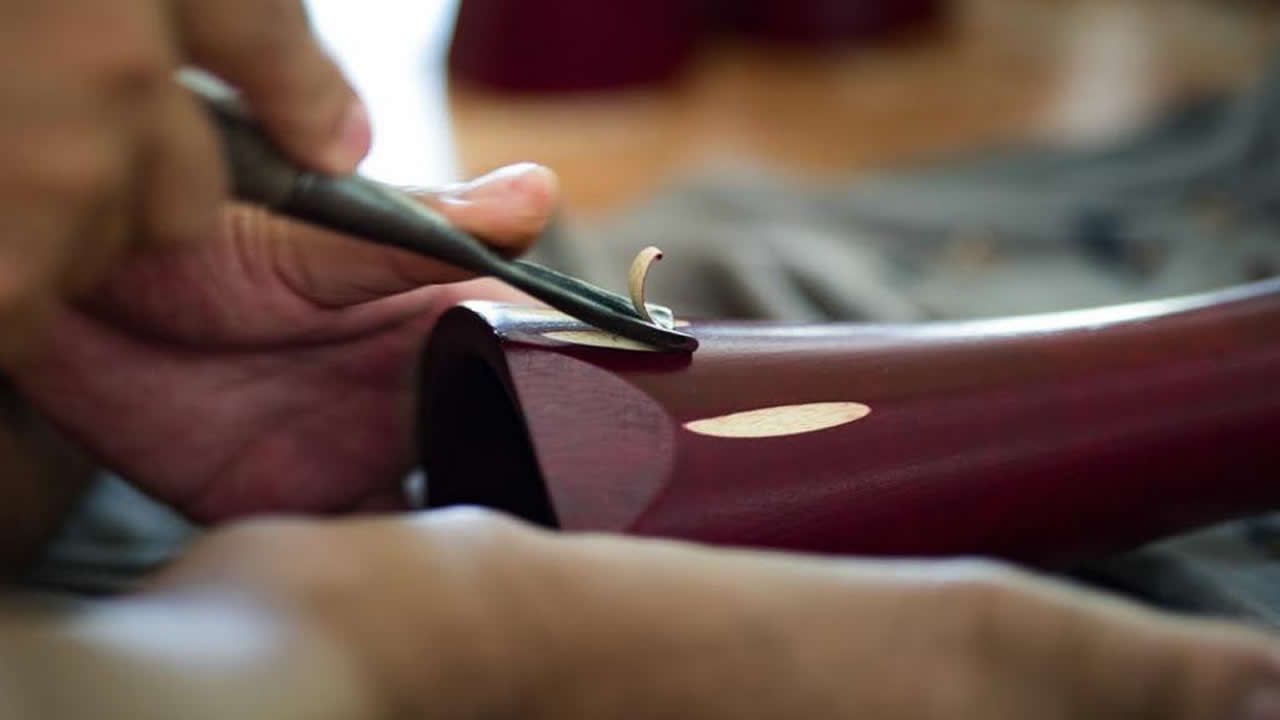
598, 338
780, 420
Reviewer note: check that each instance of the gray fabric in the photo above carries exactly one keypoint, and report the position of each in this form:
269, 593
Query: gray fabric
1178, 210
1231, 570
1186, 206
114, 537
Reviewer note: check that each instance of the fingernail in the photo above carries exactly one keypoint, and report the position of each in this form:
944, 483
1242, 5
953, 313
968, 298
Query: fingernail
354, 137
1262, 704
496, 186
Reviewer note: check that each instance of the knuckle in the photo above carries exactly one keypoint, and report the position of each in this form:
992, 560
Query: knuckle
450, 294
981, 603
264, 46
130, 68
484, 534
260, 547
261, 537
319, 106
987, 604
294, 558
251, 225
135, 75
82, 169
277, 32
308, 95
21, 287
1096, 659
88, 187
183, 212
479, 522
980, 576
1206, 676
112, 48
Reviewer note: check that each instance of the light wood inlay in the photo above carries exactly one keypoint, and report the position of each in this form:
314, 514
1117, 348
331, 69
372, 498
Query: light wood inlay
780, 420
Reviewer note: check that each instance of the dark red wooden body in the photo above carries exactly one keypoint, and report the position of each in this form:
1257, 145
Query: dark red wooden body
1049, 438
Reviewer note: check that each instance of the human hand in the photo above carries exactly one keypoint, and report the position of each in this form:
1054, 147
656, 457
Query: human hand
271, 365
465, 613
101, 150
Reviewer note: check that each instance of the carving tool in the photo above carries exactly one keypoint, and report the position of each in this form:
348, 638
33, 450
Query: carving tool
371, 211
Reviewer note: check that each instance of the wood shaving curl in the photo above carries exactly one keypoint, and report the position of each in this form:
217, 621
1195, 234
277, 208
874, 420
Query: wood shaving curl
639, 271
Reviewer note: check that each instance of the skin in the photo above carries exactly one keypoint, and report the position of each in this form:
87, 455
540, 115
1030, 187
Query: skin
101, 152
486, 617
295, 348
234, 363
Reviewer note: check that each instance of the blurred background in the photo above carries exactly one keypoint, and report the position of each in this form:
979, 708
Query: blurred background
848, 159
619, 96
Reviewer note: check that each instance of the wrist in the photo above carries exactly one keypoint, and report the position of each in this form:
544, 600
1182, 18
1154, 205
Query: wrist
423, 619
622, 631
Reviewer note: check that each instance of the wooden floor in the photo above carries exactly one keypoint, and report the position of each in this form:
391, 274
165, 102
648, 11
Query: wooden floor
1074, 71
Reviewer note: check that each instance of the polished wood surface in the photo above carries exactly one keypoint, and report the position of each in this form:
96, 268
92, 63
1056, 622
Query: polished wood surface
1048, 439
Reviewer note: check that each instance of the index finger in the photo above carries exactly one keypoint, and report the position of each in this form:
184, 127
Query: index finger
266, 49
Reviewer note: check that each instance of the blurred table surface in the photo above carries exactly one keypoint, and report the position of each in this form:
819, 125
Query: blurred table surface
1065, 71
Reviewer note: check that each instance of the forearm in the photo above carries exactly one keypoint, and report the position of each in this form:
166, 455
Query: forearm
41, 475
694, 638
461, 614
196, 654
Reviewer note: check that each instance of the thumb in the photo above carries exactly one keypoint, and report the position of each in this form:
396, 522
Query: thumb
507, 209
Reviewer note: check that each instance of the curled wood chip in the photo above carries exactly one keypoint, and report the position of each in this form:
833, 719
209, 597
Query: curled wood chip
639, 271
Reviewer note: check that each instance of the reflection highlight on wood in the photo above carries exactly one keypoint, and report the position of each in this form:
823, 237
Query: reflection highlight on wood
598, 338
780, 421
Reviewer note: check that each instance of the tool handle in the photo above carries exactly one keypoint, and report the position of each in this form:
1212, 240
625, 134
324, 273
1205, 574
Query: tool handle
370, 210
259, 172
262, 174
